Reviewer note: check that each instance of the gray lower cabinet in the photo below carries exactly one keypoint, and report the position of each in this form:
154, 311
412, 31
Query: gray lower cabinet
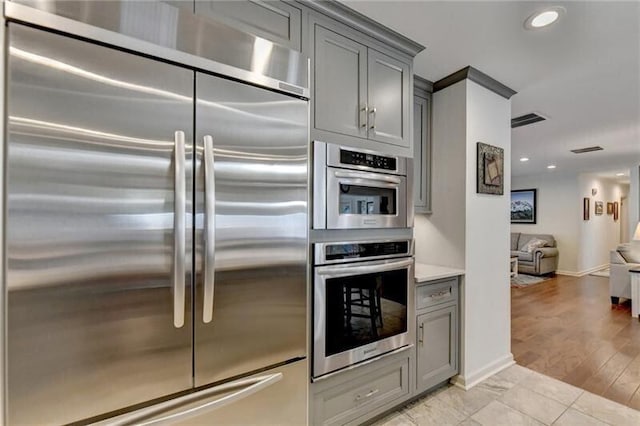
355, 396
437, 327
422, 145
437, 349
359, 91
273, 20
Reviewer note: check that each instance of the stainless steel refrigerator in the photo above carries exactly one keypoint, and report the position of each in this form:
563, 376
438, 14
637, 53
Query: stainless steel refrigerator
156, 240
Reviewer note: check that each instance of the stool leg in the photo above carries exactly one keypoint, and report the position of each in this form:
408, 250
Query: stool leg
348, 303
379, 307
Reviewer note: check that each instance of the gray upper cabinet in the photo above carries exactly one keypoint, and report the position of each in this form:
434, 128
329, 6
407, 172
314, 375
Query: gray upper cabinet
422, 146
276, 21
389, 104
361, 95
340, 89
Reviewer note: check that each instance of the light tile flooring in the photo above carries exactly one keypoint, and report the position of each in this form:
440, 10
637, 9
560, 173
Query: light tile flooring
515, 396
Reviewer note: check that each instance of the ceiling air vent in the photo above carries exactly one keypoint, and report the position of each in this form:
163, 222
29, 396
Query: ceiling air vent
526, 119
587, 149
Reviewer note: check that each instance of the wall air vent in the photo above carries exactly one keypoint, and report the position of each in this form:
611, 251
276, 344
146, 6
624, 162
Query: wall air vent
526, 119
587, 149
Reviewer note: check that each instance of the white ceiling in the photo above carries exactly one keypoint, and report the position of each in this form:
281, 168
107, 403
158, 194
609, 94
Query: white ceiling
583, 72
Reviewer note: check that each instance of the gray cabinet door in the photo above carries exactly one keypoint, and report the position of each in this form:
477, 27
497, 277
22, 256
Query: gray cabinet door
422, 154
437, 352
340, 84
273, 20
388, 96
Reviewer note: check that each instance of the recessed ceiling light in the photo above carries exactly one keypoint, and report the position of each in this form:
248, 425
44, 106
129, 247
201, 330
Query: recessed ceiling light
551, 166
619, 174
544, 18
523, 159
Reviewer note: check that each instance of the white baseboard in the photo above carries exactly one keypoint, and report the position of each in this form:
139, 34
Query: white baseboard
470, 380
582, 273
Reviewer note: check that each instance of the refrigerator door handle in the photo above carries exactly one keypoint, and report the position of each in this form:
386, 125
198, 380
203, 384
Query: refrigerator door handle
179, 225
249, 387
210, 229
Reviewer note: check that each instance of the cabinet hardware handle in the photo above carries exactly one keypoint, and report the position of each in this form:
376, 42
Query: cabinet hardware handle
440, 294
421, 339
373, 111
367, 395
363, 116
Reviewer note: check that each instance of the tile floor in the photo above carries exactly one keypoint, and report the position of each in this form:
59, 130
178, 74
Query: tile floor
515, 396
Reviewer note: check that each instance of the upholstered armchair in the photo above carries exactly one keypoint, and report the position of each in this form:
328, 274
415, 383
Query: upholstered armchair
623, 258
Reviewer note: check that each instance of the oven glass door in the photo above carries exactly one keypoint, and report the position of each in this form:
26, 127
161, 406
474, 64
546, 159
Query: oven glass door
365, 200
363, 311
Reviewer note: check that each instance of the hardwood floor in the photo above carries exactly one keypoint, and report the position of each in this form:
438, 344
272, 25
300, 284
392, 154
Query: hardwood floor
566, 328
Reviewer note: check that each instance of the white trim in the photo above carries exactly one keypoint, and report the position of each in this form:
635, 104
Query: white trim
470, 380
582, 273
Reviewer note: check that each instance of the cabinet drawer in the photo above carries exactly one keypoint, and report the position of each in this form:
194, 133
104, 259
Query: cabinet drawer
354, 398
436, 293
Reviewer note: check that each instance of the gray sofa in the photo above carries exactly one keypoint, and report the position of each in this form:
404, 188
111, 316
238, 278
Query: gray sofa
540, 261
623, 258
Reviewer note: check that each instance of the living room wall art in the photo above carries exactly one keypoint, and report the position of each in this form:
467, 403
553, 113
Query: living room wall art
523, 206
609, 208
585, 208
599, 208
616, 213
490, 174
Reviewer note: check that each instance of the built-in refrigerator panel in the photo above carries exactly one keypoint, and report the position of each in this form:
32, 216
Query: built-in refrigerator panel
251, 235
99, 161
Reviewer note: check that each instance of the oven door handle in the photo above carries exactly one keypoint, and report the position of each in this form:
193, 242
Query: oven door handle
368, 176
348, 270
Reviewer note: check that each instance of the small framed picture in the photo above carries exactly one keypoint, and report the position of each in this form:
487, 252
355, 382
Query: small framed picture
585, 208
523, 206
609, 208
616, 213
599, 208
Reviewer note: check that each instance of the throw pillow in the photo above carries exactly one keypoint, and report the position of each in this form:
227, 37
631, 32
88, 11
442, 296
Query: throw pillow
630, 252
534, 243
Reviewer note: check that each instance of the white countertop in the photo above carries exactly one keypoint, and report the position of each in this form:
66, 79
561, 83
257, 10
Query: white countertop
425, 272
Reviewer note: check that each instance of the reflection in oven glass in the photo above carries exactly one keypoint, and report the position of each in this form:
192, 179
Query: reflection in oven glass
367, 200
362, 309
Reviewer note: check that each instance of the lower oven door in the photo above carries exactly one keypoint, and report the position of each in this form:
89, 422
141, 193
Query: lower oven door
365, 200
361, 310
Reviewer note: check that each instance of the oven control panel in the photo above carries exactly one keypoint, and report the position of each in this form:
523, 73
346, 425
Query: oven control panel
355, 251
373, 161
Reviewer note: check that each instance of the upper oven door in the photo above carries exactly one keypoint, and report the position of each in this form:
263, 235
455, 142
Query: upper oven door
365, 200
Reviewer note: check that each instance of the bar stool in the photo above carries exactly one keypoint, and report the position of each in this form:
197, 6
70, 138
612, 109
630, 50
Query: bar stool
367, 296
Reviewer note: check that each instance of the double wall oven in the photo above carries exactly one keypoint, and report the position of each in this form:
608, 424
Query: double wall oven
362, 288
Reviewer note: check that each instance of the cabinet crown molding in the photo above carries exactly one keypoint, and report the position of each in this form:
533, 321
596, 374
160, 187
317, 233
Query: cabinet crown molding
478, 77
422, 84
362, 23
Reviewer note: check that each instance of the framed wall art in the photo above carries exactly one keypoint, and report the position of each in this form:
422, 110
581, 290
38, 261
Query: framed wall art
616, 212
490, 174
585, 208
609, 208
523, 206
599, 209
